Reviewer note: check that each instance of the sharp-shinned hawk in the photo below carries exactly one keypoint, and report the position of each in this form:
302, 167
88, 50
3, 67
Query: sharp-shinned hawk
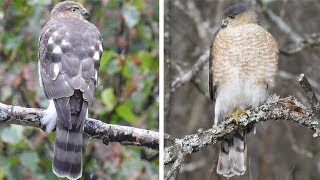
243, 62
70, 49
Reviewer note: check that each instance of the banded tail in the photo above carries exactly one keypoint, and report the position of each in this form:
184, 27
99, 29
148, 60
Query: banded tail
67, 157
233, 155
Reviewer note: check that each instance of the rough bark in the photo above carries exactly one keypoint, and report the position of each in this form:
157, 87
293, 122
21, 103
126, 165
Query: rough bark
93, 128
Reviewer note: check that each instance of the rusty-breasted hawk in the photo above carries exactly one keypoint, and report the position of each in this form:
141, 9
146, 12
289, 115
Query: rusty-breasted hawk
243, 62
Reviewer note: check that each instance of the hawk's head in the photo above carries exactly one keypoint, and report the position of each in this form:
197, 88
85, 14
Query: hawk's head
239, 14
69, 9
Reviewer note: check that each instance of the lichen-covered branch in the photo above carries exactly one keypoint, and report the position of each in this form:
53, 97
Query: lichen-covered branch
94, 128
288, 109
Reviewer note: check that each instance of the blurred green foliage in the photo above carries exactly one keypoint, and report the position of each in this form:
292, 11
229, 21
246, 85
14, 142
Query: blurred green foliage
127, 91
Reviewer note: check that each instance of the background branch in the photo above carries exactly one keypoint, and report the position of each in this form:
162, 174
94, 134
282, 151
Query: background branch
94, 128
310, 94
167, 63
311, 40
187, 76
299, 42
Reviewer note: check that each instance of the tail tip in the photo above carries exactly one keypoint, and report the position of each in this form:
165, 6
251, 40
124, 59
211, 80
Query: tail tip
64, 174
64, 169
230, 173
238, 172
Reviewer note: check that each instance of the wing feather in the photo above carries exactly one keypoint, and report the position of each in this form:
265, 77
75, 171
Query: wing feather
63, 110
212, 86
69, 51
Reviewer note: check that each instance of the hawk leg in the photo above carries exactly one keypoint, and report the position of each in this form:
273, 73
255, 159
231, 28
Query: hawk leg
50, 119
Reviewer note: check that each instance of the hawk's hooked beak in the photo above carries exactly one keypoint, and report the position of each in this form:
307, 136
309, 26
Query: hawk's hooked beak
85, 13
224, 23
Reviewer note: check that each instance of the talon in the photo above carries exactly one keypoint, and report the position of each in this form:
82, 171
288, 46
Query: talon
237, 113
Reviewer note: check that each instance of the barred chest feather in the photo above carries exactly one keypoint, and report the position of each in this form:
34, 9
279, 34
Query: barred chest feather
245, 63
246, 52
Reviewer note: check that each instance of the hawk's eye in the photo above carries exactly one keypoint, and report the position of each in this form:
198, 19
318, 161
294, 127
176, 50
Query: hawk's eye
231, 16
74, 9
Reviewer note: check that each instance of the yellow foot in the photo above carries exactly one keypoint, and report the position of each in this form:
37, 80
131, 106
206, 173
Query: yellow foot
236, 114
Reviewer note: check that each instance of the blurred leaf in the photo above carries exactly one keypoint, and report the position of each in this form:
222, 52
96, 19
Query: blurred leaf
131, 15
15, 172
131, 165
148, 84
106, 57
13, 159
139, 4
4, 167
114, 119
149, 64
108, 98
6, 92
31, 94
39, 2
29, 160
126, 72
113, 67
145, 32
49, 175
124, 111
47, 163
12, 134
12, 43
137, 98
1, 14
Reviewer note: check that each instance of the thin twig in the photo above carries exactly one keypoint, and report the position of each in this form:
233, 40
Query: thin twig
311, 40
295, 147
299, 42
191, 166
187, 76
283, 26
